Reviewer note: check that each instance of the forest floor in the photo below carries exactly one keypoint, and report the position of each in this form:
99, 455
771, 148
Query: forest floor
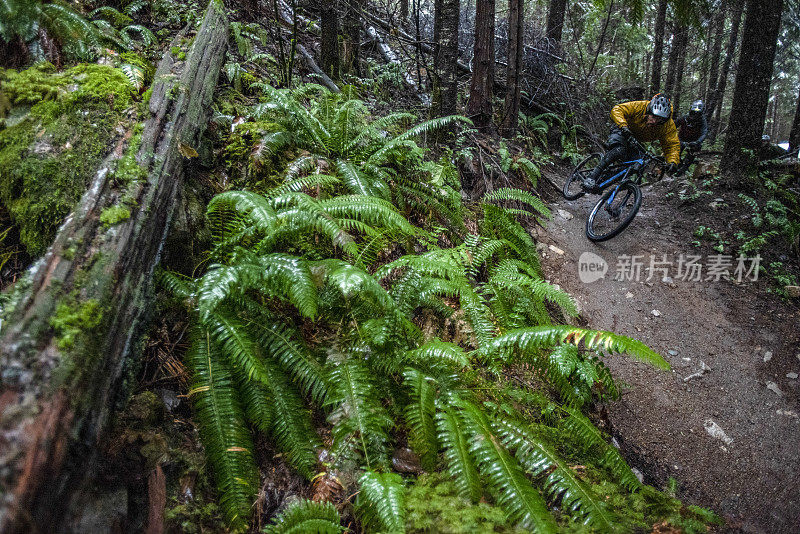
724, 420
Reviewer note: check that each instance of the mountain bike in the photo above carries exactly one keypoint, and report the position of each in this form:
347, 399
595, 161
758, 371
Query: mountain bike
619, 185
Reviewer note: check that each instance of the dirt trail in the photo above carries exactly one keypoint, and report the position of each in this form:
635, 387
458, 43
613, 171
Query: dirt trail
746, 336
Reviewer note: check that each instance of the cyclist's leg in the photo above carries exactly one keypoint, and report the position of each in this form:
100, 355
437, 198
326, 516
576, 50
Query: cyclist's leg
618, 148
686, 162
612, 155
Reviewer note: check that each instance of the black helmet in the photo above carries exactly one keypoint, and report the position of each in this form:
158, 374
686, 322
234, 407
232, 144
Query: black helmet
660, 106
697, 107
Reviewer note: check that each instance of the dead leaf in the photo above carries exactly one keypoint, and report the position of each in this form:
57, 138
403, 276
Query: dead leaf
186, 151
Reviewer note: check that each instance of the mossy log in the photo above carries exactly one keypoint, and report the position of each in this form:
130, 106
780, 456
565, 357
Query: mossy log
68, 344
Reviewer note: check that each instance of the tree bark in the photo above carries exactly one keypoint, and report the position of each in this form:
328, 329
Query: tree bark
678, 88
794, 133
57, 401
403, 11
516, 25
555, 21
479, 106
715, 103
672, 63
446, 23
751, 92
329, 27
658, 49
352, 38
716, 49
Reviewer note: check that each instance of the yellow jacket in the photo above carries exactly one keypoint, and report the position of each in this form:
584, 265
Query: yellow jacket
631, 115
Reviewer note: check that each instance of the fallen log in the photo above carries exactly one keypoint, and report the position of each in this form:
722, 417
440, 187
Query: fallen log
389, 55
94, 285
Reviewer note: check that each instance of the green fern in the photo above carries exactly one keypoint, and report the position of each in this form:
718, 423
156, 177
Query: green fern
561, 482
306, 517
460, 464
381, 502
506, 477
223, 431
528, 339
420, 413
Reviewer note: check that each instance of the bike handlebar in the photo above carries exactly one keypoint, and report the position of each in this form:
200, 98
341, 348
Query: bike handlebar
639, 146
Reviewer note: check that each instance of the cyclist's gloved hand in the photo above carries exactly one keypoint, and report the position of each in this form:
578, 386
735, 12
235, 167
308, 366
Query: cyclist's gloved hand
626, 132
670, 168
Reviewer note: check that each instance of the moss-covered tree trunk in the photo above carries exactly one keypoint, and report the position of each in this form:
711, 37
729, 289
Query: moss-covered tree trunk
751, 92
68, 344
658, 48
479, 105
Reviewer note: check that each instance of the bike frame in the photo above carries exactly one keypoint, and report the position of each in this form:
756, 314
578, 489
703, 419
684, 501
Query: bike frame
622, 176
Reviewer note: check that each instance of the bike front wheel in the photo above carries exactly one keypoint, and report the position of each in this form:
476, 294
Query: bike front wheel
573, 187
613, 212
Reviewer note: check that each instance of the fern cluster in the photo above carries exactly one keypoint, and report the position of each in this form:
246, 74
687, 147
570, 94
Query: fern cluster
312, 313
41, 24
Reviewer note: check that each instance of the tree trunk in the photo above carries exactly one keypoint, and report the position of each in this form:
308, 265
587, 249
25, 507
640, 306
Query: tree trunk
445, 57
672, 63
403, 11
56, 405
716, 49
479, 106
516, 25
751, 92
352, 38
794, 134
678, 88
715, 103
555, 21
658, 49
329, 27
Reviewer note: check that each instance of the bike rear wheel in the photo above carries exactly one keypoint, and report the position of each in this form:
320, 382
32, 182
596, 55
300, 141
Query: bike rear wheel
610, 216
573, 187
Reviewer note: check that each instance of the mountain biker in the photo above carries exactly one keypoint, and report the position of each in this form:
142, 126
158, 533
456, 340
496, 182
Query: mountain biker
644, 121
692, 131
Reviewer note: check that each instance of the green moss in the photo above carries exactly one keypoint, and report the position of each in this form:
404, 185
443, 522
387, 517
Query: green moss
48, 157
433, 505
114, 215
178, 53
72, 319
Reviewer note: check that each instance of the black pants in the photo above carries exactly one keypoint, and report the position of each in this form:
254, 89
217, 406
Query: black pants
617, 149
688, 156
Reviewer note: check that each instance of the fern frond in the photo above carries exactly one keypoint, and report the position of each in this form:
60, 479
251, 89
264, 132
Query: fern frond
579, 426
281, 342
518, 195
561, 481
277, 275
358, 183
176, 284
147, 37
306, 517
223, 430
135, 75
439, 354
420, 414
381, 502
292, 427
506, 477
360, 422
526, 339
460, 463
423, 128
234, 212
